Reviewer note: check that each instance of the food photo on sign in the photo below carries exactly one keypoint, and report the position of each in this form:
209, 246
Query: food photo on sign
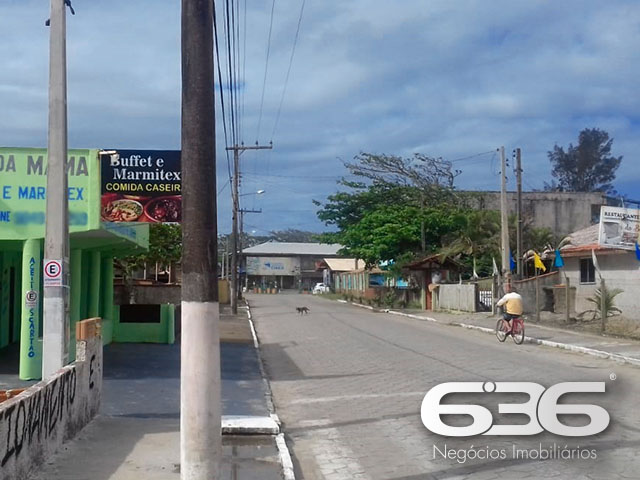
141, 186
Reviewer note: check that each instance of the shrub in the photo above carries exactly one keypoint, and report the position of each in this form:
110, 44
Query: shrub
389, 299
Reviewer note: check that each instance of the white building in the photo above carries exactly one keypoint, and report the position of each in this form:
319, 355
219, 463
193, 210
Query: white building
287, 265
619, 267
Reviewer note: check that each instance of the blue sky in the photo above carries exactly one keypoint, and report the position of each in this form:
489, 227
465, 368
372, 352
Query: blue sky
444, 78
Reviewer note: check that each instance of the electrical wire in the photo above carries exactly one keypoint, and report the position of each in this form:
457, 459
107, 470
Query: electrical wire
266, 67
472, 156
224, 116
229, 34
286, 81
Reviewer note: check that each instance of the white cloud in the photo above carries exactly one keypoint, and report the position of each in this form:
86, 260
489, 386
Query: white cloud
443, 78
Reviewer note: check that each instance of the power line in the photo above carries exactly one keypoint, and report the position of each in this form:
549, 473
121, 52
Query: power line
244, 62
472, 156
223, 187
229, 34
286, 81
224, 118
314, 177
266, 66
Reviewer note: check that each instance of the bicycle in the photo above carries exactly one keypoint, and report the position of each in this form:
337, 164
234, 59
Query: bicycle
517, 330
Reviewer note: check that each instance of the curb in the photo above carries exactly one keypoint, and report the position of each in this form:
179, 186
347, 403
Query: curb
285, 458
288, 472
616, 357
249, 425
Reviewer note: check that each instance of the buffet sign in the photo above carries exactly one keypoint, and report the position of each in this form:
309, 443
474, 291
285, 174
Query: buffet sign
141, 186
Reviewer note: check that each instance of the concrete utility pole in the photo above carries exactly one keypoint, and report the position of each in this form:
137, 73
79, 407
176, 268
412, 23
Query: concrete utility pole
242, 212
519, 210
200, 405
56, 245
237, 150
504, 209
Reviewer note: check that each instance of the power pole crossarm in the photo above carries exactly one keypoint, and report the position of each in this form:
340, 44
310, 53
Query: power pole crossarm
241, 148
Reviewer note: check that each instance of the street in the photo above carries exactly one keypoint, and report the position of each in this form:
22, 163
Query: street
348, 385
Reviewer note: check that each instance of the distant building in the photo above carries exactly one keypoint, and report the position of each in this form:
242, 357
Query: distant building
561, 212
332, 266
287, 264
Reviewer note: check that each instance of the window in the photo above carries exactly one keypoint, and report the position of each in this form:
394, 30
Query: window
587, 271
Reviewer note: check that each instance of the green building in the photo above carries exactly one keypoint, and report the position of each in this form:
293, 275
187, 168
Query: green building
93, 246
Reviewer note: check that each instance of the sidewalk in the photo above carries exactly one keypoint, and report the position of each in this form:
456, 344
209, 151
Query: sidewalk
614, 348
136, 434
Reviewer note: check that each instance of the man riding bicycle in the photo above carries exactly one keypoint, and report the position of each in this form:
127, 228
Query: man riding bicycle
512, 302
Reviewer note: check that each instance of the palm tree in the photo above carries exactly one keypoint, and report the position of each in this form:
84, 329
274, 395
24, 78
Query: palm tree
609, 308
478, 240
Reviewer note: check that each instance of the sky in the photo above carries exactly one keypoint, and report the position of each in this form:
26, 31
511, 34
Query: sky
451, 79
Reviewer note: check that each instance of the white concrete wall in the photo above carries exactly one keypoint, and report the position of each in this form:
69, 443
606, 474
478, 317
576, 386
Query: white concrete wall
619, 271
34, 424
456, 297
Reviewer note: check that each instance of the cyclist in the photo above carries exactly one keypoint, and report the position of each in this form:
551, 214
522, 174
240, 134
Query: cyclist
512, 302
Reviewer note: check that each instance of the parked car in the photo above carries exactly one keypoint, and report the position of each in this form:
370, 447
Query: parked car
320, 288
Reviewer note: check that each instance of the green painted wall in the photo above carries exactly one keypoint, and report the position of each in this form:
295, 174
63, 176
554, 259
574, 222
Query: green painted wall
94, 284
74, 301
84, 288
162, 332
106, 298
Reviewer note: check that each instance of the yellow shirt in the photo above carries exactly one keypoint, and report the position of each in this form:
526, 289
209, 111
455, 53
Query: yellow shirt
512, 302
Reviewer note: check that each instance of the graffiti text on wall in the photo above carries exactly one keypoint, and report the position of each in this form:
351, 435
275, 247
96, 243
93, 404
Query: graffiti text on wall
35, 419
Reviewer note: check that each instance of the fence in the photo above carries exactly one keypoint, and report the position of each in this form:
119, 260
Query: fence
460, 297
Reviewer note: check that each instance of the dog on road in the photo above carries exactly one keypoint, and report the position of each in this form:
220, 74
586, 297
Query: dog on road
302, 310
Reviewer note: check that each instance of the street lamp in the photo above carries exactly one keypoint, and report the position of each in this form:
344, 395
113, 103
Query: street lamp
258, 192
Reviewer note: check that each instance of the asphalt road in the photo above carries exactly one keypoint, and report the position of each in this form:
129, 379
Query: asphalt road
348, 385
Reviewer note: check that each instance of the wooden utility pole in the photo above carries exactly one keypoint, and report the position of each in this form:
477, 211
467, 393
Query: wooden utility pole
504, 222
519, 215
200, 405
56, 244
237, 150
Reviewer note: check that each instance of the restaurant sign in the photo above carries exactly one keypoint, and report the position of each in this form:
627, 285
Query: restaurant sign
619, 227
141, 186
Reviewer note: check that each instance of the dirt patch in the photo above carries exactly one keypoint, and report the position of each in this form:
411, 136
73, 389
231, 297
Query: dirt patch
618, 325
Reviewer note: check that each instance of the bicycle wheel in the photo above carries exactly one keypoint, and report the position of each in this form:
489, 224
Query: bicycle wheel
501, 330
518, 332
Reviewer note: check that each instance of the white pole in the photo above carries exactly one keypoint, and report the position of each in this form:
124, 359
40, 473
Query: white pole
200, 384
56, 248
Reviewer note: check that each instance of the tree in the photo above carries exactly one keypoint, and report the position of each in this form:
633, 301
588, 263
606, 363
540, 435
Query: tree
477, 239
393, 232
344, 209
293, 235
165, 246
587, 167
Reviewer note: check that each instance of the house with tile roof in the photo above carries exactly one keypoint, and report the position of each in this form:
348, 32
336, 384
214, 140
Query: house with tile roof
619, 267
